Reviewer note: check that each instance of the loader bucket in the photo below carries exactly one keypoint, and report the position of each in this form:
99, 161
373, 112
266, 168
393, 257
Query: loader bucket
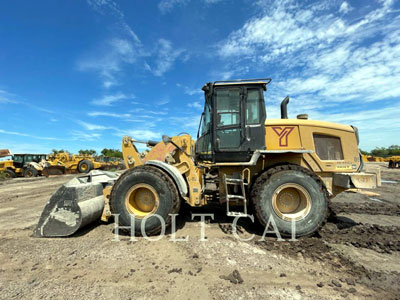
74, 205
54, 170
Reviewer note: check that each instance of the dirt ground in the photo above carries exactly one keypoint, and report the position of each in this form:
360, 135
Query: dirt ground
355, 256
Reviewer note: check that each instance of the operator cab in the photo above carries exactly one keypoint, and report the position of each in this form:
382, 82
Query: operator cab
20, 160
232, 125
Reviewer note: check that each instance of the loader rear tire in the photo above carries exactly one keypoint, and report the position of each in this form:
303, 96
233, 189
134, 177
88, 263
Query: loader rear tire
142, 193
85, 166
290, 193
30, 172
9, 174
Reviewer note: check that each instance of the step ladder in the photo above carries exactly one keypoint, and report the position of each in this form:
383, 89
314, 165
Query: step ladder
241, 196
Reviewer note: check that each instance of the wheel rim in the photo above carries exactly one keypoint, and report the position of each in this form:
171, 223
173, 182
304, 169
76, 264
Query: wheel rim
142, 200
28, 173
291, 202
7, 175
84, 167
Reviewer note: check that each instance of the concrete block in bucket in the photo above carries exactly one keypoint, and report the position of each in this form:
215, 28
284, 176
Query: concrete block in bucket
74, 205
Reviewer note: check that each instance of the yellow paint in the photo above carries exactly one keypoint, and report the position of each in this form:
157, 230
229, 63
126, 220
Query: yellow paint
309, 123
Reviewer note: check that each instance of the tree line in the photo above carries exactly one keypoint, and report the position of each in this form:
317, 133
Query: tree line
105, 152
393, 150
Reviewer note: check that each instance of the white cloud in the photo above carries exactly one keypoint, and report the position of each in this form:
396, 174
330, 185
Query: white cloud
82, 136
284, 29
111, 7
345, 7
90, 126
189, 91
165, 57
195, 105
167, 5
39, 108
108, 100
143, 111
109, 60
108, 114
6, 97
21, 147
10, 98
188, 123
333, 67
140, 134
28, 135
163, 101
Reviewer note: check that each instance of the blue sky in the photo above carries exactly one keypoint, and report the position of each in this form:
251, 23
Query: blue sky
81, 74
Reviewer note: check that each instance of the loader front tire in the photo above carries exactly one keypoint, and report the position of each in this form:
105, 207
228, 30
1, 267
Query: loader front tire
290, 193
142, 193
85, 166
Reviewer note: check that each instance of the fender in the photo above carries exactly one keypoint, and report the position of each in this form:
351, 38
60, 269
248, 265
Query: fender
174, 173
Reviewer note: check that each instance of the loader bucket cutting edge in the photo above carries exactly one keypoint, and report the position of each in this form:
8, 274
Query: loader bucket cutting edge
74, 205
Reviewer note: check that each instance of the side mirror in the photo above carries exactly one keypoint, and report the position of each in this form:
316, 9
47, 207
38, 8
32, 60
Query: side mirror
166, 139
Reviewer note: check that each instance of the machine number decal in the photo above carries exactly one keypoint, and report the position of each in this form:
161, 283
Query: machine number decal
283, 134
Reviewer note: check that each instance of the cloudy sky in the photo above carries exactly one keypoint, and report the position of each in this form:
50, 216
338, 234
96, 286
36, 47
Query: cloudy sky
81, 74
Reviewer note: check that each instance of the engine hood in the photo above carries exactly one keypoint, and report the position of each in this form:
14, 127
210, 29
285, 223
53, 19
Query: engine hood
313, 123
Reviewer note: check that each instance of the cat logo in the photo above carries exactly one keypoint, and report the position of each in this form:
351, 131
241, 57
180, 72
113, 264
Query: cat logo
283, 134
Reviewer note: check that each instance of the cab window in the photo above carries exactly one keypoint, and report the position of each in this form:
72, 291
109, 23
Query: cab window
19, 159
206, 120
253, 106
228, 107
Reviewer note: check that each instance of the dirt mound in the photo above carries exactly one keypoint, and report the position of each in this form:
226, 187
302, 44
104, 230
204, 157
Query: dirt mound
389, 209
382, 239
318, 249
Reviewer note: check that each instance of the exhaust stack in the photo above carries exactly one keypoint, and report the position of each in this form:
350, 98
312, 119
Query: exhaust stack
284, 104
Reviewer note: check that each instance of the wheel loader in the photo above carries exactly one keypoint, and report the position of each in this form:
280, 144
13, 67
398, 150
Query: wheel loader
287, 168
22, 165
64, 163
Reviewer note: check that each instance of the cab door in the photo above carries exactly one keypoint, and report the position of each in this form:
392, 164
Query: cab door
228, 124
239, 123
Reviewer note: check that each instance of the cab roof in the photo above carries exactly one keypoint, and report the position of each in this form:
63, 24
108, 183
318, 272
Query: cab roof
258, 81
263, 81
22, 154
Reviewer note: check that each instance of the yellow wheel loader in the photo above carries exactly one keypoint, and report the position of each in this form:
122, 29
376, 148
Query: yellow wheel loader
65, 163
284, 168
22, 165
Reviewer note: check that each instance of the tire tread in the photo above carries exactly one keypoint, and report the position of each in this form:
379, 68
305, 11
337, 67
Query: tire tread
263, 178
164, 177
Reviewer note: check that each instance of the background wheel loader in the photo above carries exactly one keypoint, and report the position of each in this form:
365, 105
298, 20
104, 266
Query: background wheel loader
285, 168
26, 165
65, 163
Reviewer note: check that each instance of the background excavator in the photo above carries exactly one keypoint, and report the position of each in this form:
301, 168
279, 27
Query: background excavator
285, 168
